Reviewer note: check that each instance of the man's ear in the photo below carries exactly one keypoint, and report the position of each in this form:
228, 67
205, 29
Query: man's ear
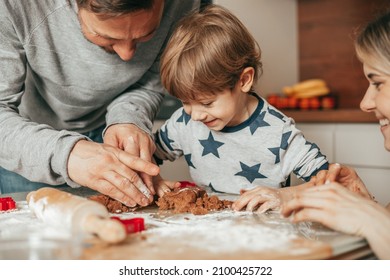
246, 79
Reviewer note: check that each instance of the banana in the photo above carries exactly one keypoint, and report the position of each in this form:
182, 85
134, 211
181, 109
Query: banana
310, 87
288, 91
311, 83
312, 92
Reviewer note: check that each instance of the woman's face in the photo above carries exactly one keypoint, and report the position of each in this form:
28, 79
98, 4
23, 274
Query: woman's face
377, 99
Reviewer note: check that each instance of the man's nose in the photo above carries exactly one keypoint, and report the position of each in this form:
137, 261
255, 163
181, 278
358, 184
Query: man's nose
125, 50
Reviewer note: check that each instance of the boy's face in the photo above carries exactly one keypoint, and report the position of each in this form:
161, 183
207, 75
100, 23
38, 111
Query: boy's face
226, 108
377, 100
121, 34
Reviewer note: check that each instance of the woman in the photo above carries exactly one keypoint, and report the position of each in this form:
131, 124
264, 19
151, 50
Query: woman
334, 204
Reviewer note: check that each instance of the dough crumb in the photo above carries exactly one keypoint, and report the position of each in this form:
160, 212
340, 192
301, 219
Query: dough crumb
112, 205
193, 200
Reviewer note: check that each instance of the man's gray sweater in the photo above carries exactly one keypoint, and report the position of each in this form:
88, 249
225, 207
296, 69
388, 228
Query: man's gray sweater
55, 84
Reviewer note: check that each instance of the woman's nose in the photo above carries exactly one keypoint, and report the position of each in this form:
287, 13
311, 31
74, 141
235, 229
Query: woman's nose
368, 102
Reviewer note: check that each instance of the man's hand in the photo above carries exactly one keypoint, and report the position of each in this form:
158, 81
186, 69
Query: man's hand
133, 140
111, 171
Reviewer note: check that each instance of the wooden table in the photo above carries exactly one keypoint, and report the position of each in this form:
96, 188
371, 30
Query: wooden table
223, 235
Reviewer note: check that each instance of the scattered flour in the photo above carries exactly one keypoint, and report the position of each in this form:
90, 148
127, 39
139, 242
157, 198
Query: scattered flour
20, 223
224, 231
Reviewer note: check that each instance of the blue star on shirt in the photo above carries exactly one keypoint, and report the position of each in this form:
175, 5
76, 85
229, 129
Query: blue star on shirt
285, 137
275, 151
313, 146
283, 145
185, 118
188, 160
276, 114
212, 188
250, 172
210, 146
165, 138
258, 122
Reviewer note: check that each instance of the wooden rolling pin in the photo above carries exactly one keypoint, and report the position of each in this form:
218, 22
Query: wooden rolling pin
75, 213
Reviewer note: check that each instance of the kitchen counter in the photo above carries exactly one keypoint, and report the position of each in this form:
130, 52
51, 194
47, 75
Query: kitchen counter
219, 235
331, 116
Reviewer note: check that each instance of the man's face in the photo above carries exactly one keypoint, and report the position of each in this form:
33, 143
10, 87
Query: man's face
121, 35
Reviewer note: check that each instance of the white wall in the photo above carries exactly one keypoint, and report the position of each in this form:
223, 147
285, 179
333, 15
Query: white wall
274, 25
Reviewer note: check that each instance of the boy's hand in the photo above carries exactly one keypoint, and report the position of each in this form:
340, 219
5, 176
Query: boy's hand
162, 186
259, 198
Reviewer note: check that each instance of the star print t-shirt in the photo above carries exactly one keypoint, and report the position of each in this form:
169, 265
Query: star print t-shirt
262, 151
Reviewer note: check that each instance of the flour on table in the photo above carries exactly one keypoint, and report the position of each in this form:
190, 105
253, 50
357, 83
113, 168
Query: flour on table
21, 222
221, 231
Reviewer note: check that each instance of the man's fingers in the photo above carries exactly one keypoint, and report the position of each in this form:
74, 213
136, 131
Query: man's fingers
148, 181
147, 148
131, 186
108, 188
138, 164
131, 146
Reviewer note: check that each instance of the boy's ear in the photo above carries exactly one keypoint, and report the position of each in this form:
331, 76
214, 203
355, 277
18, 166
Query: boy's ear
246, 79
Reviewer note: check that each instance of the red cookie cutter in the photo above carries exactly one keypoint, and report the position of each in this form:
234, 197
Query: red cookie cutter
7, 204
187, 184
132, 225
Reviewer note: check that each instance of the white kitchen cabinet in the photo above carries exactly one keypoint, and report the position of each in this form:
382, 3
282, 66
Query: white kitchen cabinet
360, 146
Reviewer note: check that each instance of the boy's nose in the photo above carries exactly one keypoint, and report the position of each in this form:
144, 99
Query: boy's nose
198, 115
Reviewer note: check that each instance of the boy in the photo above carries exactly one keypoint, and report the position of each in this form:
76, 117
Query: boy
231, 138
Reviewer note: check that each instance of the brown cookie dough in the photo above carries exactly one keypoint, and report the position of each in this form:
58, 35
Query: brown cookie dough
193, 200
112, 205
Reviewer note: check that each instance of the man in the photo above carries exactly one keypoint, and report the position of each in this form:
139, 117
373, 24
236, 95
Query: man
74, 69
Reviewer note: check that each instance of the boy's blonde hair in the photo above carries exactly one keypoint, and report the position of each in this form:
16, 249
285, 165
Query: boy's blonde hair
373, 44
207, 53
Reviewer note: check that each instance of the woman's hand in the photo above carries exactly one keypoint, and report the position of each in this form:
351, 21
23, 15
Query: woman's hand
338, 208
344, 175
334, 206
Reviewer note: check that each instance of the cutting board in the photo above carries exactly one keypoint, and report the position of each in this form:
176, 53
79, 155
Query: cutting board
217, 235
